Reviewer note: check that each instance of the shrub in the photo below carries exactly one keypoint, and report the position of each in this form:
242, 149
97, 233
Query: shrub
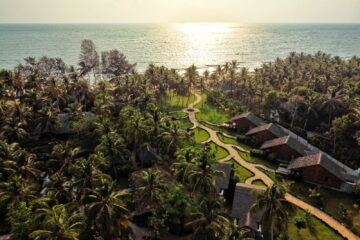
20, 218
244, 139
257, 153
300, 223
272, 157
236, 178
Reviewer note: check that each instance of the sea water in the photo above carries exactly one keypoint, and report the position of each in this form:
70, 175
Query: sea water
178, 45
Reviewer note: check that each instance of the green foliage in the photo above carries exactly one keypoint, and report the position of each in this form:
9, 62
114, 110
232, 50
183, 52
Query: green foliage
21, 221
300, 223
176, 204
258, 153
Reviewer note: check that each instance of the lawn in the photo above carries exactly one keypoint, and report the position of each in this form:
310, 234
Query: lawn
247, 157
220, 152
210, 113
176, 102
315, 229
227, 140
185, 123
201, 135
259, 183
241, 172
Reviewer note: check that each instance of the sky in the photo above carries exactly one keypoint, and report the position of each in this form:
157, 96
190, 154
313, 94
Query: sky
167, 11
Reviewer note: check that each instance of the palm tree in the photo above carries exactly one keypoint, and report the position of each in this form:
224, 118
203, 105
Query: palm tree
61, 189
47, 120
202, 175
29, 167
185, 159
209, 220
171, 135
16, 190
65, 156
14, 130
58, 223
192, 74
152, 186
137, 129
88, 172
276, 209
9, 155
113, 147
107, 211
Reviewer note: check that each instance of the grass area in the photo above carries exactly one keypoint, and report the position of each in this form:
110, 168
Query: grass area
241, 172
227, 140
185, 123
210, 113
178, 114
176, 102
220, 152
259, 183
247, 157
201, 135
315, 229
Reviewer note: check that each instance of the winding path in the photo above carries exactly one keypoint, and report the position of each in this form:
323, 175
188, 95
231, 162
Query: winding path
259, 175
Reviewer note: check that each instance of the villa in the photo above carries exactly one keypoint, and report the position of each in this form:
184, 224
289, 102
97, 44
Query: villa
244, 199
266, 132
286, 148
321, 169
222, 184
245, 122
312, 164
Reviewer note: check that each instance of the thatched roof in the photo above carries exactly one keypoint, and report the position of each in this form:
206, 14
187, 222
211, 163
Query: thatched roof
321, 159
223, 183
286, 140
244, 199
249, 116
271, 127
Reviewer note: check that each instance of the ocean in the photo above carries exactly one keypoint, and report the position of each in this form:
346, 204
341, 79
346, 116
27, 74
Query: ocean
178, 45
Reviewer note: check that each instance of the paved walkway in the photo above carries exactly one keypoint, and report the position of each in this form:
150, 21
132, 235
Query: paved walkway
259, 175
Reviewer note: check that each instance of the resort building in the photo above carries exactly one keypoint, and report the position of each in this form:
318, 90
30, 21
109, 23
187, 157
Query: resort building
244, 198
312, 164
246, 121
286, 148
266, 132
222, 184
321, 169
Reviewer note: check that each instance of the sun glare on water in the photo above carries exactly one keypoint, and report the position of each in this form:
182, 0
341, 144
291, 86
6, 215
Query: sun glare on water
202, 40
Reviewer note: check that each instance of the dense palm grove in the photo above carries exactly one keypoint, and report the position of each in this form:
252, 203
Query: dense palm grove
68, 184
316, 94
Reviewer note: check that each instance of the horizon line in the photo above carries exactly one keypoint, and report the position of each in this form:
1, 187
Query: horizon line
181, 22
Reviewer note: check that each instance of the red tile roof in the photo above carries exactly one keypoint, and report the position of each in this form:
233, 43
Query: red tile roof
275, 142
321, 159
273, 128
307, 161
249, 116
